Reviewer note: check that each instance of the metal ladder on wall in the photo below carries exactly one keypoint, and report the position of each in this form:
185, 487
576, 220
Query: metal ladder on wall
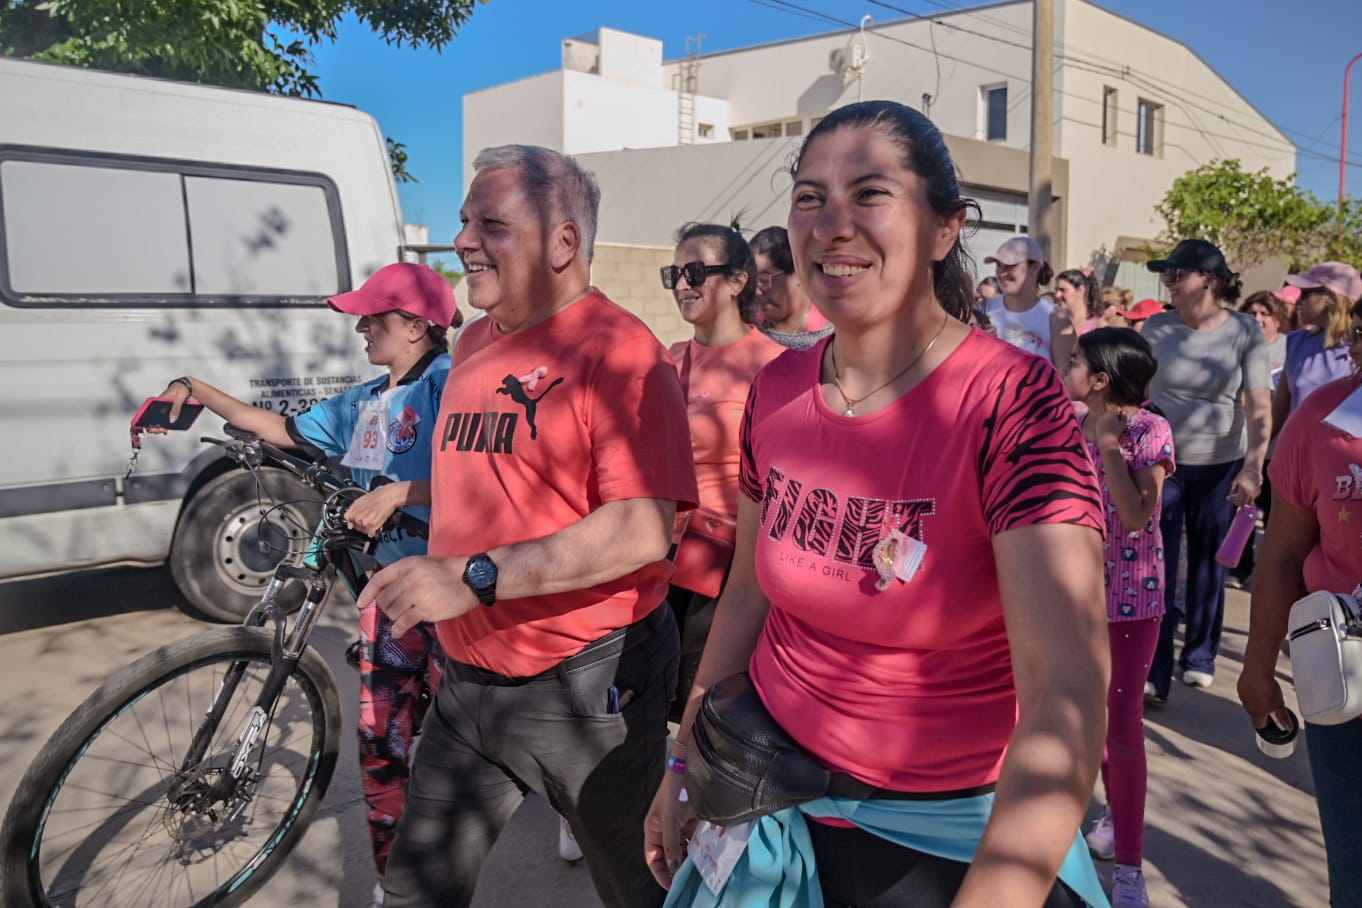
688, 85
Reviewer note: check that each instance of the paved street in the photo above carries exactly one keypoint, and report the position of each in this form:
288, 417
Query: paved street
1227, 826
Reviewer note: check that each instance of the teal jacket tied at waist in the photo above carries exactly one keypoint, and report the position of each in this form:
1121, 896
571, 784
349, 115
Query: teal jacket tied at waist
777, 870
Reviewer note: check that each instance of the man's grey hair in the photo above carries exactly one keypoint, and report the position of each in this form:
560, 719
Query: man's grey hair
558, 187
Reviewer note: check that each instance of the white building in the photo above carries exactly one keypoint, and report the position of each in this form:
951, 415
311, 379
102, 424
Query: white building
709, 136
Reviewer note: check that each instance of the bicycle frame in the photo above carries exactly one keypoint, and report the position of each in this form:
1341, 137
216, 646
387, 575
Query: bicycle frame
336, 543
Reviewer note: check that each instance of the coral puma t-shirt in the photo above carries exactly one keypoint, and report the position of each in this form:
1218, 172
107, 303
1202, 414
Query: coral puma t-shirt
908, 688
537, 429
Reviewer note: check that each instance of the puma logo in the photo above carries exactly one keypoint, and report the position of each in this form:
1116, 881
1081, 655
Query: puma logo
512, 386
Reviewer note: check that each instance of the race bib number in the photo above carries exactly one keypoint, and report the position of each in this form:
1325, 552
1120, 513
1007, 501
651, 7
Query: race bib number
369, 443
715, 851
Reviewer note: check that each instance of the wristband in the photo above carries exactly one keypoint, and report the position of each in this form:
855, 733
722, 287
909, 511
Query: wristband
676, 765
184, 380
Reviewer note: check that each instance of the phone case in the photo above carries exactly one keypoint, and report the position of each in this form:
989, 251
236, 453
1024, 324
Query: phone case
155, 413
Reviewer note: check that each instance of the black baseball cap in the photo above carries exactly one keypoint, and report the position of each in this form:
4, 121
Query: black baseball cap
1193, 255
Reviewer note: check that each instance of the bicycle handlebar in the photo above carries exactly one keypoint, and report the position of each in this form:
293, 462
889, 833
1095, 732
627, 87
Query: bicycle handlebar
249, 449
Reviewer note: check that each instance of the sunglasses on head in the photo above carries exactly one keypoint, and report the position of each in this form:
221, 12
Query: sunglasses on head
694, 273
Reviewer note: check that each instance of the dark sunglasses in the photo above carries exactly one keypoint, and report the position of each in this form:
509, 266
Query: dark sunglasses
694, 273
1175, 275
1354, 335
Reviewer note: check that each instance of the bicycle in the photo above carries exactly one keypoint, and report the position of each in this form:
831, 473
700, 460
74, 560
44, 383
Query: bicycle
187, 778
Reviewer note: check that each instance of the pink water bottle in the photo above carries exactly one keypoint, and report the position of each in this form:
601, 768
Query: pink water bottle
1241, 531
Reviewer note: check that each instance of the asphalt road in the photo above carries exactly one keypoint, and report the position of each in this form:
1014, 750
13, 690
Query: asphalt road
1226, 825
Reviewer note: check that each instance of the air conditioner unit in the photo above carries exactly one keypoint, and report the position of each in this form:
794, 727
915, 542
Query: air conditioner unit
850, 59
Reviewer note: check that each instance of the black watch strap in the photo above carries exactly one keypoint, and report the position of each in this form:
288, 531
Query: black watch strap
480, 573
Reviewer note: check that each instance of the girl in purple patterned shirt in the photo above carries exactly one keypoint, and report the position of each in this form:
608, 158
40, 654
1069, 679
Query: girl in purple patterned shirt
1132, 446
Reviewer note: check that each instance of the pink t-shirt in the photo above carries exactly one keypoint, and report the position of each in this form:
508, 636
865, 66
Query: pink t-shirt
910, 688
716, 381
1134, 561
1318, 469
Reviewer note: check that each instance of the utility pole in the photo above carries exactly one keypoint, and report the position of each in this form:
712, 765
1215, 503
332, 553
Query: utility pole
1343, 147
1040, 216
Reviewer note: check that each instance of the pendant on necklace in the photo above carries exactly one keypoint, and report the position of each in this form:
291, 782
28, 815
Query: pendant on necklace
848, 412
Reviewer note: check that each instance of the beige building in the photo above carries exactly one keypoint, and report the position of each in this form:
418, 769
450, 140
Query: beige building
710, 137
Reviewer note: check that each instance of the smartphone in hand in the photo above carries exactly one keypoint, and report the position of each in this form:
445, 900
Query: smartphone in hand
155, 414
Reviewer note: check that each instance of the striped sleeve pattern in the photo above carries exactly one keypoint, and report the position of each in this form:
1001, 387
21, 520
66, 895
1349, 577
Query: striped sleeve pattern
1033, 465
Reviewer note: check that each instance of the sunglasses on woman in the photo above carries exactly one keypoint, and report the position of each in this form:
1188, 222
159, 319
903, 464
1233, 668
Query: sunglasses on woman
1175, 275
694, 273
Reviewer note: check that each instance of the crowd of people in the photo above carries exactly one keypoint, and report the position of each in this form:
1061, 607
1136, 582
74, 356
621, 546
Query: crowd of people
786, 536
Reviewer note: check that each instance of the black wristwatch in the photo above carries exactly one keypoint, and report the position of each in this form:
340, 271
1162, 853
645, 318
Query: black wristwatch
481, 576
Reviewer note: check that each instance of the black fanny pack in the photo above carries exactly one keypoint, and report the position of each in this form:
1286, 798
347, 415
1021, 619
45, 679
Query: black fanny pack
744, 765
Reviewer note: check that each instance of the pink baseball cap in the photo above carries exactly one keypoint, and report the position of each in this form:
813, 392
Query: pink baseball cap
407, 286
1142, 310
1336, 276
1289, 295
1017, 250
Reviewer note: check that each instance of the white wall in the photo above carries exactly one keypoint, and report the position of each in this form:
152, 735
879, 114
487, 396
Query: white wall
630, 58
1113, 189
792, 78
526, 112
603, 114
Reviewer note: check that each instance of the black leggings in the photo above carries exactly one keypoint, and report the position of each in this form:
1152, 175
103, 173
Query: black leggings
858, 869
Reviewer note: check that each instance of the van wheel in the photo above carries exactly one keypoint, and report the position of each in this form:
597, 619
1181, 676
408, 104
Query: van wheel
225, 552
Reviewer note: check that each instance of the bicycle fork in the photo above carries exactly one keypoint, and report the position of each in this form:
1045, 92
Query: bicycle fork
284, 656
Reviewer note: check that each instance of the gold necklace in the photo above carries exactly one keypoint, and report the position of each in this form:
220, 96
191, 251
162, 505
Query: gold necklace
853, 402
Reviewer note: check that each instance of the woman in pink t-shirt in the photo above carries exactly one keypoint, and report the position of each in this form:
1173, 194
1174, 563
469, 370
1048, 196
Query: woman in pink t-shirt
713, 276
1311, 546
1109, 373
927, 681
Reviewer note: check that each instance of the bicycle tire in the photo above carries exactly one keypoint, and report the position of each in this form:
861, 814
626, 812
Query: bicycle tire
113, 856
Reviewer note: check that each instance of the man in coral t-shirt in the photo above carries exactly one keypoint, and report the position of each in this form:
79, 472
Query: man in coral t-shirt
561, 455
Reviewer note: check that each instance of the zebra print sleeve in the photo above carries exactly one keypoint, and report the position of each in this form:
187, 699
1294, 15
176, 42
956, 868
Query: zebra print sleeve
1033, 465
748, 480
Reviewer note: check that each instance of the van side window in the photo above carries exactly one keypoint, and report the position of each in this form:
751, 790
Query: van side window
73, 230
83, 229
252, 238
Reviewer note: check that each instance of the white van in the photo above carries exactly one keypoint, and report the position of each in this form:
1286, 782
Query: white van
150, 229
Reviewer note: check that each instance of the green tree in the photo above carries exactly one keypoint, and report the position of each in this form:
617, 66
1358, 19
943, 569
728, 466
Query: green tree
1254, 216
258, 44
448, 272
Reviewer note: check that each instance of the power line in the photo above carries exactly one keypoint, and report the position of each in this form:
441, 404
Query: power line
1125, 73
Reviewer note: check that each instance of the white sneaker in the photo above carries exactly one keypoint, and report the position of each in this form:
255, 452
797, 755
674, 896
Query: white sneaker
1101, 838
1127, 887
1193, 678
378, 896
568, 849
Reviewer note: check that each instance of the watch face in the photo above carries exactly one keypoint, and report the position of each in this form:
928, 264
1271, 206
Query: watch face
481, 572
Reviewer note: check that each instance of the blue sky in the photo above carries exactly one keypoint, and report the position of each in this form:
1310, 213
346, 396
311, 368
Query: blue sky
1287, 59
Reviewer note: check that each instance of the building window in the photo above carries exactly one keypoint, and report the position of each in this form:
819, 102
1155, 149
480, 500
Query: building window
1108, 116
739, 135
794, 127
705, 130
994, 110
1149, 128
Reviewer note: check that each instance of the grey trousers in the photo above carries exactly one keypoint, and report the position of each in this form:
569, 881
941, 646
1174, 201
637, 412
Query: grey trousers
589, 735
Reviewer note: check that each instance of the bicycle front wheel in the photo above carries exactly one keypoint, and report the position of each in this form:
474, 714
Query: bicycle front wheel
121, 809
